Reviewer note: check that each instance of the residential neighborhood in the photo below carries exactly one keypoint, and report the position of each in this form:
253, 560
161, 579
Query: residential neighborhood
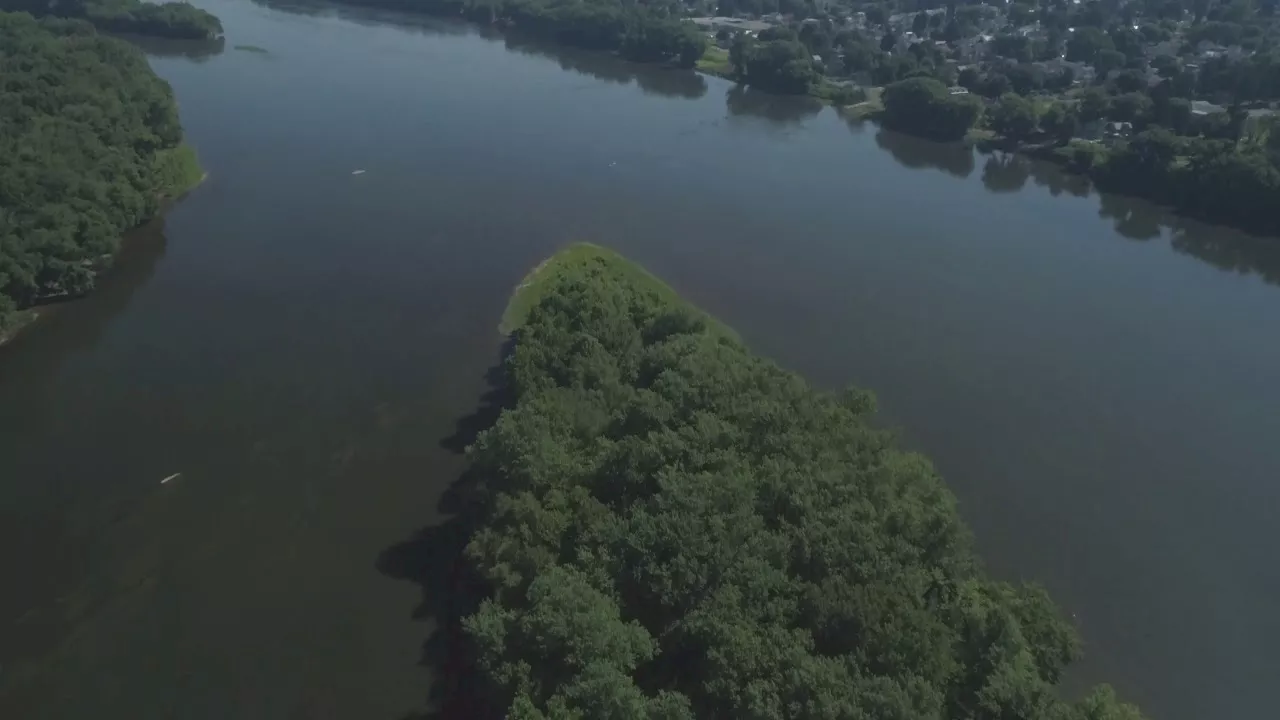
1174, 100
1050, 52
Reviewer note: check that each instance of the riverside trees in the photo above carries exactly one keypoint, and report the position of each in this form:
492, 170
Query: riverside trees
91, 142
674, 528
177, 20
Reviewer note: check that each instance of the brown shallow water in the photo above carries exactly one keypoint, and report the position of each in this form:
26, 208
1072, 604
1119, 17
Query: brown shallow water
1094, 378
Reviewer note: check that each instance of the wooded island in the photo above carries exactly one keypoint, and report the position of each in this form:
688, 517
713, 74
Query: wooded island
671, 527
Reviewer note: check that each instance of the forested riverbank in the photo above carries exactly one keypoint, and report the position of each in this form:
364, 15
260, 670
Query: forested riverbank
654, 32
177, 20
671, 527
94, 147
1226, 180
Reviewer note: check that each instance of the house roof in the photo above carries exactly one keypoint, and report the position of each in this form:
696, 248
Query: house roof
1202, 107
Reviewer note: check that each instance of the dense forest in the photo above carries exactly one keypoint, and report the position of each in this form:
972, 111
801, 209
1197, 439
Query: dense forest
643, 32
92, 144
671, 527
178, 20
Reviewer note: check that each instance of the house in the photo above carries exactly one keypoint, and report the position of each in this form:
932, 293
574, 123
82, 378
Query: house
1030, 31
905, 41
714, 24
1118, 129
1202, 108
1206, 50
1209, 48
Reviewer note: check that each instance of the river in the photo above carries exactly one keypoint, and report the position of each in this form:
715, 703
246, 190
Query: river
1095, 379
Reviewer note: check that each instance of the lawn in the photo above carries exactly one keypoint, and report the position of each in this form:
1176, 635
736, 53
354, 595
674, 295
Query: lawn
715, 61
869, 108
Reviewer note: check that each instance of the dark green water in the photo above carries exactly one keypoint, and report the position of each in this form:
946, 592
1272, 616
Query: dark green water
1096, 381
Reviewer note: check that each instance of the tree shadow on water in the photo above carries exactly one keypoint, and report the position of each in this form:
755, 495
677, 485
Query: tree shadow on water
650, 78
919, 154
1005, 172
779, 111
432, 559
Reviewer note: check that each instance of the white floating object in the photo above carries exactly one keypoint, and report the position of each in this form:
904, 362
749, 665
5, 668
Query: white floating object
357, 172
174, 476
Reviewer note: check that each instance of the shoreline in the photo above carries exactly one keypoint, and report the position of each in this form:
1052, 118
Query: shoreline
574, 257
25, 319
28, 317
714, 63
986, 141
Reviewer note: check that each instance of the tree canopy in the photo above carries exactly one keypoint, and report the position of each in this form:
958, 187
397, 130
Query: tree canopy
91, 142
674, 528
781, 65
644, 32
924, 106
1014, 117
170, 19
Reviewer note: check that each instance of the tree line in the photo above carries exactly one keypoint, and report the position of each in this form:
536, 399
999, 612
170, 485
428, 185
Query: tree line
179, 20
643, 32
1222, 167
91, 142
673, 528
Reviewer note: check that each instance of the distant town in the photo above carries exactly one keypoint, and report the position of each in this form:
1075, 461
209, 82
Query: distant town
1174, 100
991, 49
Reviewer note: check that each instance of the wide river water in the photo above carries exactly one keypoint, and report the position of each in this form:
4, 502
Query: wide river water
1097, 381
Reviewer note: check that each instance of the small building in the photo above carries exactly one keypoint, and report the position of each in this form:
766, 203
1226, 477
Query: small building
713, 24
1201, 108
1118, 129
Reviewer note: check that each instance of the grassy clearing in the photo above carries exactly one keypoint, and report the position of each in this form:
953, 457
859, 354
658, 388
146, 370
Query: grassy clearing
715, 61
979, 135
575, 259
868, 109
178, 171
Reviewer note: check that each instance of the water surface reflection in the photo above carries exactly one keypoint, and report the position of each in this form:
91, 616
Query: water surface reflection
951, 158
